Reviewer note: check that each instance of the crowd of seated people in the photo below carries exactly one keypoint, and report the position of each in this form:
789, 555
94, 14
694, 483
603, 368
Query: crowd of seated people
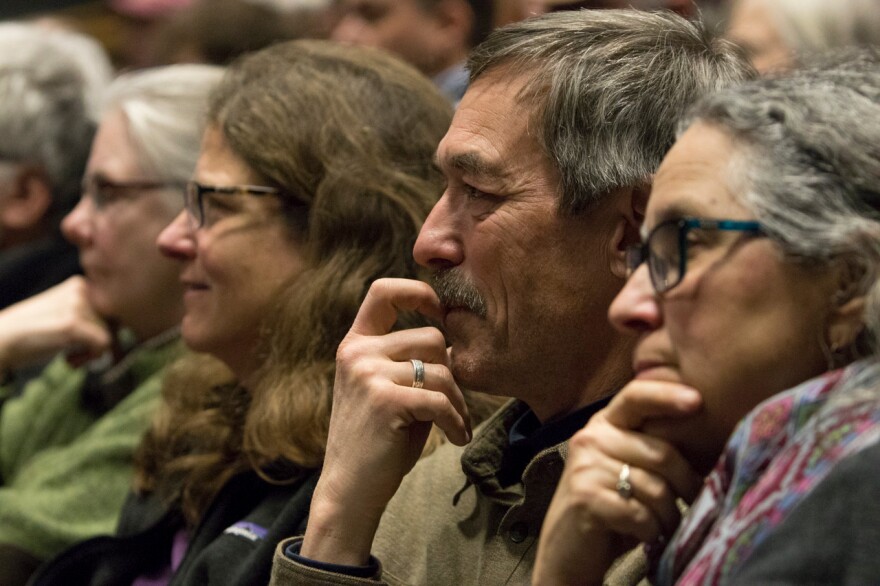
67, 439
275, 255
580, 300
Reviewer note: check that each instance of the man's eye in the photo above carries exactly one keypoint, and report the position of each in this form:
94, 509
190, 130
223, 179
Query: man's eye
475, 194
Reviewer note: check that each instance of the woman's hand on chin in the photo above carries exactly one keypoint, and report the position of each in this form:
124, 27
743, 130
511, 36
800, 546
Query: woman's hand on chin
619, 486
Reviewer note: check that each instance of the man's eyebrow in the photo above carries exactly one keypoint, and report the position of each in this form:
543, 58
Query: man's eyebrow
473, 164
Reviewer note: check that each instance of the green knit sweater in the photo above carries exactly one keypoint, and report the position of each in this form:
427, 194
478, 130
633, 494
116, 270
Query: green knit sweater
65, 469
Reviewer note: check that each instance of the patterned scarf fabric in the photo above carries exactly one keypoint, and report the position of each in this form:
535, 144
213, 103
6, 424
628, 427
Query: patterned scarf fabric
778, 453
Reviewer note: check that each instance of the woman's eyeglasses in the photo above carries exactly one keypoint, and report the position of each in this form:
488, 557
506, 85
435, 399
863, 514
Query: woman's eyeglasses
103, 191
666, 248
194, 197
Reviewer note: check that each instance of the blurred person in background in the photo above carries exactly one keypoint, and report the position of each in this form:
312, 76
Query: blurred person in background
67, 442
531, 8
218, 31
315, 174
50, 84
139, 22
780, 34
435, 36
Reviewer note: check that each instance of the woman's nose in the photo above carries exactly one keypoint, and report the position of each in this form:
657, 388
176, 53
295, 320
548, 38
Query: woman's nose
636, 308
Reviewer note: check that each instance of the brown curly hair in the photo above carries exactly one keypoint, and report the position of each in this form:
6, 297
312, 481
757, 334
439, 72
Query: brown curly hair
351, 134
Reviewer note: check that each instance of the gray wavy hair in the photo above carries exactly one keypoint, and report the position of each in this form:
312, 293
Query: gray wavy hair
808, 158
50, 84
608, 87
166, 110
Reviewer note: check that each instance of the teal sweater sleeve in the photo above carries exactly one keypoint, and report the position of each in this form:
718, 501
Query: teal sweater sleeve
65, 471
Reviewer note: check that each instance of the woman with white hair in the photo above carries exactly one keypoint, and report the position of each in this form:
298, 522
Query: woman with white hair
67, 441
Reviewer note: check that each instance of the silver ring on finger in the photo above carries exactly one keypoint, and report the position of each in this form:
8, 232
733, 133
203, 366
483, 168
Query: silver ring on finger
418, 373
624, 486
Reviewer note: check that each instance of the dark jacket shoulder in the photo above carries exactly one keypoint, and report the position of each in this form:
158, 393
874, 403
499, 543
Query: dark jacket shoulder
233, 545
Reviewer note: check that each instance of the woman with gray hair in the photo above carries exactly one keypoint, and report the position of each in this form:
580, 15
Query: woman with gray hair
756, 301
67, 442
51, 82
779, 34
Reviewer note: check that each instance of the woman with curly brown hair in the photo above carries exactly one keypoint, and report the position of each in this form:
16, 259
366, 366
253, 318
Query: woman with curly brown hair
315, 174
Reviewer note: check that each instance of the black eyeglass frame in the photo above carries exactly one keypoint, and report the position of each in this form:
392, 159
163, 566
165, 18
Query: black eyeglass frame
639, 253
194, 192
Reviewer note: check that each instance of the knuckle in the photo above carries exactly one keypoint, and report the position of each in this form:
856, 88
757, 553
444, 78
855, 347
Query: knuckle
437, 401
641, 516
348, 350
584, 439
362, 369
441, 375
584, 489
435, 337
380, 287
656, 491
660, 457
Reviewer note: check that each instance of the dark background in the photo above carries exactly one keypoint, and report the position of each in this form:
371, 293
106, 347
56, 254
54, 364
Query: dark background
18, 8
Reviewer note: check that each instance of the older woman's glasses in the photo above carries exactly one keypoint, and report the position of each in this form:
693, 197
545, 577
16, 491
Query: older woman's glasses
103, 191
666, 248
198, 198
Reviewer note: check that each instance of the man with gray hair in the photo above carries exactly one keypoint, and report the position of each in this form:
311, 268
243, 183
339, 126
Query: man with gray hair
50, 82
549, 161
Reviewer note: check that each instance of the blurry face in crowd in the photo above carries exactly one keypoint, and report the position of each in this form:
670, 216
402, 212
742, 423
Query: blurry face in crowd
403, 27
753, 27
533, 276
235, 263
743, 324
538, 7
115, 230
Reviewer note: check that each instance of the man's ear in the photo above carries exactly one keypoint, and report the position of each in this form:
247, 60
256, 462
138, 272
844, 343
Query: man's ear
29, 198
632, 203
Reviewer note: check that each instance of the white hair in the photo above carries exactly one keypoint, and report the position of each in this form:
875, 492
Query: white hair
165, 109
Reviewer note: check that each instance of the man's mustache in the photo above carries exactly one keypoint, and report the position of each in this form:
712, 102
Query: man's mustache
458, 292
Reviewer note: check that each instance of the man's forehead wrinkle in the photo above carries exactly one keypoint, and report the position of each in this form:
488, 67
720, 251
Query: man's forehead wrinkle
472, 150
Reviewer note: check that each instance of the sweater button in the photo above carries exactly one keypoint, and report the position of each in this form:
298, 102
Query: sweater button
519, 532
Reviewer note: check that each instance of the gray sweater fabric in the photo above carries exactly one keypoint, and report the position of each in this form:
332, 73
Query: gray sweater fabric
831, 537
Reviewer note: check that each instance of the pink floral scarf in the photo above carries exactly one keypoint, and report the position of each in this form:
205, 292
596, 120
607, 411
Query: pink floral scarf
778, 454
